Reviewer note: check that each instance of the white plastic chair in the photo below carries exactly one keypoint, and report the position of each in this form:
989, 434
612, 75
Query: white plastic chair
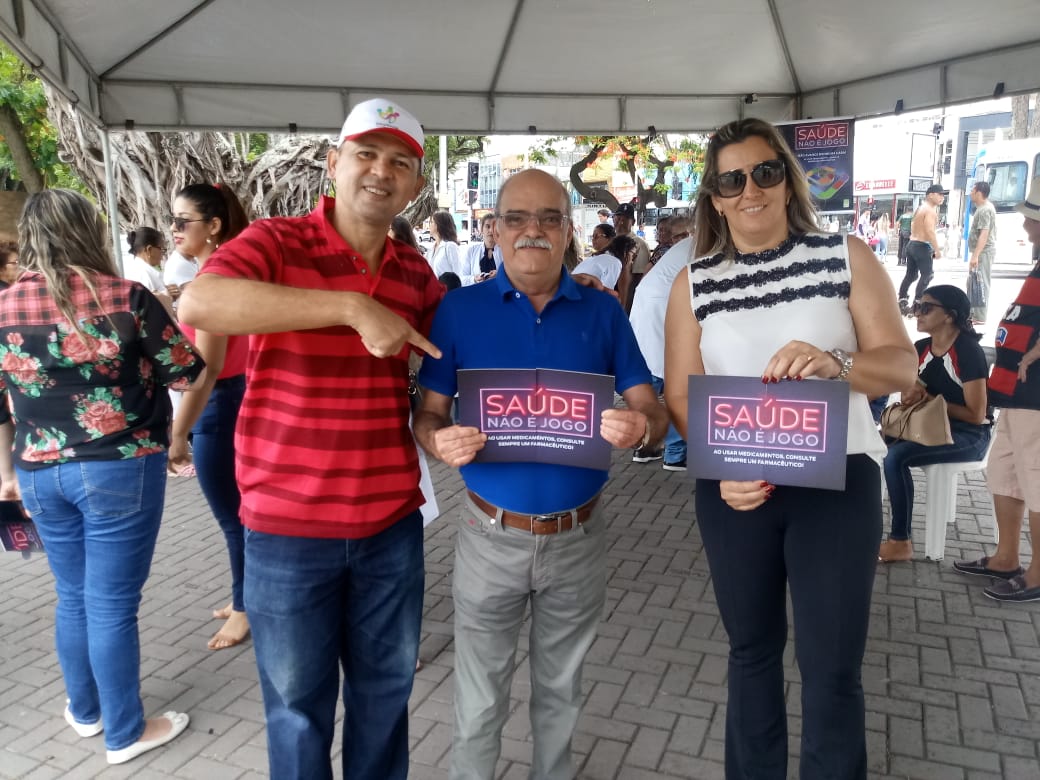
941, 506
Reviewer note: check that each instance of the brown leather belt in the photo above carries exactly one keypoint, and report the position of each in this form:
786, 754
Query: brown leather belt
537, 524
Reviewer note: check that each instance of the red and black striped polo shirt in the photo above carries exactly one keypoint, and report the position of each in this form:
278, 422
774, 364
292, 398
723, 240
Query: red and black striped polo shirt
323, 445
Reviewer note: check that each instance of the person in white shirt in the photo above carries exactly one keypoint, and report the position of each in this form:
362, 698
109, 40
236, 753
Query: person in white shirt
445, 256
605, 264
148, 248
648, 309
179, 270
481, 260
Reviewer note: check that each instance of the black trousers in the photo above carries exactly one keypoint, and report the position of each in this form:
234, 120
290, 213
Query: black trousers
918, 261
823, 544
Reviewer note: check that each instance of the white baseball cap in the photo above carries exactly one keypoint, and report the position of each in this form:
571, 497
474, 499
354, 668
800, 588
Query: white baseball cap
1030, 207
386, 116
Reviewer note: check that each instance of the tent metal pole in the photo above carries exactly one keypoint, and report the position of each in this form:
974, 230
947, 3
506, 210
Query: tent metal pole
113, 199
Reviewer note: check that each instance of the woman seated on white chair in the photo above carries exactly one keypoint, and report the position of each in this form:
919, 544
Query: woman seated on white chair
951, 364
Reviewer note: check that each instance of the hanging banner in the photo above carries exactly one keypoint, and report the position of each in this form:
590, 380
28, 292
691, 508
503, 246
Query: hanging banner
824, 148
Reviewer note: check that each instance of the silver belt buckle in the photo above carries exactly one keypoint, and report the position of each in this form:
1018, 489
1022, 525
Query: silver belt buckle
546, 518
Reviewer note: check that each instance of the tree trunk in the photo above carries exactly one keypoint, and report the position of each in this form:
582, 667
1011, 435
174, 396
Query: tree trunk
1019, 115
1034, 119
150, 168
587, 191
285, 180
14, 134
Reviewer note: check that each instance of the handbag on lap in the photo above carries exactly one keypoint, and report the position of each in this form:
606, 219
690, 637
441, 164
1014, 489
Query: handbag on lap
926, 422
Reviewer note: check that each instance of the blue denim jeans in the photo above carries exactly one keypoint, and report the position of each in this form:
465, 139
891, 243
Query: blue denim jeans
213, 449
99, 521
317, 604
674, 443
969, 443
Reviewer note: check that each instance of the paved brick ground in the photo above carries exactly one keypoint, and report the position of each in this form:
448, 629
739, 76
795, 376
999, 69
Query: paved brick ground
952, 678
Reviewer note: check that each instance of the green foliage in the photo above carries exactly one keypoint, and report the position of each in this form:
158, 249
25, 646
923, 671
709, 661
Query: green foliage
22, 91
460, 149
644, 158
645, 153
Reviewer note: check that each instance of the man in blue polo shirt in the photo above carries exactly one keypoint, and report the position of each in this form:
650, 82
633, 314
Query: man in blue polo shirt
529, 531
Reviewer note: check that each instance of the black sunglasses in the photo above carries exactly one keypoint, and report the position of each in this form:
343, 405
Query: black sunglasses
765, 175
179, 223
924, 308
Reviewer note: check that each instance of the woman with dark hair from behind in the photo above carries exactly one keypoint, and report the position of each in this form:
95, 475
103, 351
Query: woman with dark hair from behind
766, 295
148, 249
205, 216
445, 255
951, 364
450, 281
401, 230
83, 356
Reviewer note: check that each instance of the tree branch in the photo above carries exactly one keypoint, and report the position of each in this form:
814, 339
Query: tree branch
14, 134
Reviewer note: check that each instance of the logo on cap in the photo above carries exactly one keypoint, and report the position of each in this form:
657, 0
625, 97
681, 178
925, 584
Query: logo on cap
388, 114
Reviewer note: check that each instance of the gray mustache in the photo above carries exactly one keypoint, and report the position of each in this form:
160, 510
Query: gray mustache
526, 242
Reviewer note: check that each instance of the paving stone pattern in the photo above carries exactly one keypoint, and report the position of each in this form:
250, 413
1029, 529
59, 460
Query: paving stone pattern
951, 677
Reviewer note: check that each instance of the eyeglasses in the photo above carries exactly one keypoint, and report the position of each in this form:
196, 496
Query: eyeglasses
765, 175
179, 223
547, 220
924, 308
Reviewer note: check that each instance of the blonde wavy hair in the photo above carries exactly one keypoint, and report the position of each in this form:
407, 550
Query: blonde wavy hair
60, 233
712, 232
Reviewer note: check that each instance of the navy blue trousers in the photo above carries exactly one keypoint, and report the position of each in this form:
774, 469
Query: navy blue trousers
821, 545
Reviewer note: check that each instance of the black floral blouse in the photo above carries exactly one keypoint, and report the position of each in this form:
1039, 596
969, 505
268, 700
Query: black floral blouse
95, 398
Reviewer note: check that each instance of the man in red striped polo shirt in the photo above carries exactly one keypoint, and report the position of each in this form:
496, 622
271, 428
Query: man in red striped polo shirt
326, 463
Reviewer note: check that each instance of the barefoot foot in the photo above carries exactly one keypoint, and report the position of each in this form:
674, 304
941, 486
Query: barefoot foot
893, 550
223, 613
232, 633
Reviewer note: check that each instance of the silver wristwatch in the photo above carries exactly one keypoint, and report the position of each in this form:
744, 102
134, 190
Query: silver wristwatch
844, 360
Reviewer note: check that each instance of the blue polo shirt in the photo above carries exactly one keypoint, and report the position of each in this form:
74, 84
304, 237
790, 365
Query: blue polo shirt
493, 325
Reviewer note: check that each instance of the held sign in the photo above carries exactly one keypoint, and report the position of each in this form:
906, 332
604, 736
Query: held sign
768, 423
537, 409
792, 433
537, 415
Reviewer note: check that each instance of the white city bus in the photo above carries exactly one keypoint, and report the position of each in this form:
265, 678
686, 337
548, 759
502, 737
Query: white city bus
1008, 166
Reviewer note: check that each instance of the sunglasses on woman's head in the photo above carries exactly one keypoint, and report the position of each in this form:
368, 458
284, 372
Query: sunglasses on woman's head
765, 175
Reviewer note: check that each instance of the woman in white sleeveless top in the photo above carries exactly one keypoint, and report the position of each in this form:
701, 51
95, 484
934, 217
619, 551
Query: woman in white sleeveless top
767, 296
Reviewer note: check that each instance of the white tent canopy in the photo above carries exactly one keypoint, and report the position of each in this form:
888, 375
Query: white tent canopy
519, 66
